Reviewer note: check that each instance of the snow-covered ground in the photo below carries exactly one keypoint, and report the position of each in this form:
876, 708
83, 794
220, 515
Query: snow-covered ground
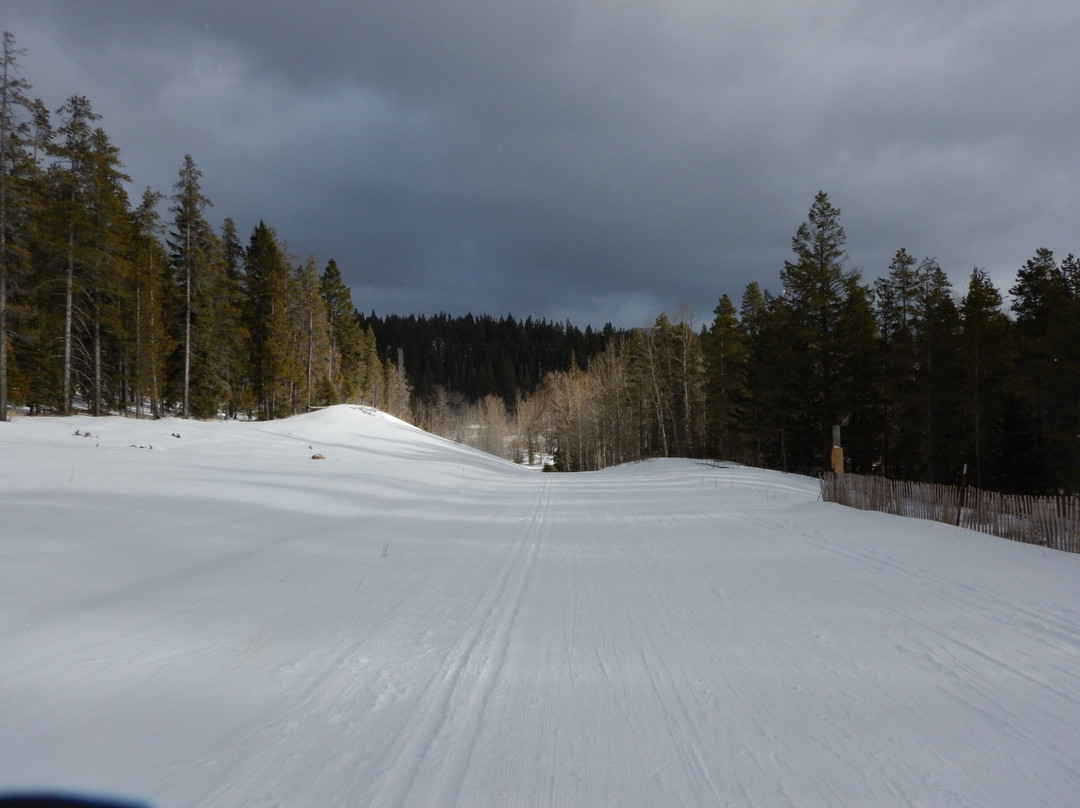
221, 620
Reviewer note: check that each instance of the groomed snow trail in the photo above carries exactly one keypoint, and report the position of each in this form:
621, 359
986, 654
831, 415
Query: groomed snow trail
221, 621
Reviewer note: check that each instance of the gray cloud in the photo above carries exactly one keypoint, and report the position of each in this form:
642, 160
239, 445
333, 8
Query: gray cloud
589, 159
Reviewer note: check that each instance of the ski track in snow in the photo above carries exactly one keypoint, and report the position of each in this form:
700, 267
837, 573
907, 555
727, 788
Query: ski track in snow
222, 622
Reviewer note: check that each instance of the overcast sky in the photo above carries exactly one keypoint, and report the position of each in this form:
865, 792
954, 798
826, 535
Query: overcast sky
598, 160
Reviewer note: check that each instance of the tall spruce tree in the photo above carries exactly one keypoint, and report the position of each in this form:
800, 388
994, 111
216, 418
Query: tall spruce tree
938, 349
859, 379
897, 299
986, 362
726, 354
41, 303
1045, 446
828, 317
369, 369
193, 253
151, 284
269, 326
346, 336
231, 337
207, 322
81, 247
108, 276
313, 343
772, 392
70, 180
14, 196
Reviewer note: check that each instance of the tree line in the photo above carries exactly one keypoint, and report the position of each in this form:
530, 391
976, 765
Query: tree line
925, 382
480, 355
118, 307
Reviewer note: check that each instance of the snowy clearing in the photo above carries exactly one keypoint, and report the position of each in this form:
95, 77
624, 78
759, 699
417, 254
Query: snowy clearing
221, 620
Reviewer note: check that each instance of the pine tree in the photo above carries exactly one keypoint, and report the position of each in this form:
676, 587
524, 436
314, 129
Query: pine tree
314, 352
14, 197
859, 379
69, 229
267, 277
938, 349
772, 392
986, 362
83, 242
368, 369
206, 374
109, 273
897, 298
231, 335
193, 255
74, 239
726, 354
1047, 382
828, 318
41, 302
346, 336
151, 283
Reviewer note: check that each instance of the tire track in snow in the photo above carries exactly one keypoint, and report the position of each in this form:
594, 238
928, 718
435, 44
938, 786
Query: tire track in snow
447, 721
645, 690
665, 686
340, 688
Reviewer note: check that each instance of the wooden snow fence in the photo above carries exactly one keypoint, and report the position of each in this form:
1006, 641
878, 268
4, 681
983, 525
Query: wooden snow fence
1052, 522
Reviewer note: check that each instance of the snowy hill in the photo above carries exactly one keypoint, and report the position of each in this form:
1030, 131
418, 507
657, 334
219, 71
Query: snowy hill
221, 620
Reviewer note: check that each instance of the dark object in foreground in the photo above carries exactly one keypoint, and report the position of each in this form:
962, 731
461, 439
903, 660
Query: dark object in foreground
47, 800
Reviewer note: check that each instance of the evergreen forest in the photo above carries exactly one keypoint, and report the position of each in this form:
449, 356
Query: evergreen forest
144, 307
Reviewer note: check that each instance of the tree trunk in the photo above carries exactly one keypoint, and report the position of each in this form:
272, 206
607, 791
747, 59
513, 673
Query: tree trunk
310, 356
96, 408
136, 391
68, 311
155, 412
186, 409
3, 335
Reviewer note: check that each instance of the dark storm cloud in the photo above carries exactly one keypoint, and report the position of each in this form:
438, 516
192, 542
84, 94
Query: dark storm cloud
590, 159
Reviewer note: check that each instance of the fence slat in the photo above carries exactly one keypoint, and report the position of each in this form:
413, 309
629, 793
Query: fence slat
1052, 522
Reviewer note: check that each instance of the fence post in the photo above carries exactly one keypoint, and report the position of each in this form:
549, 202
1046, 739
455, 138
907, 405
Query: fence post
837, 456
963, 495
